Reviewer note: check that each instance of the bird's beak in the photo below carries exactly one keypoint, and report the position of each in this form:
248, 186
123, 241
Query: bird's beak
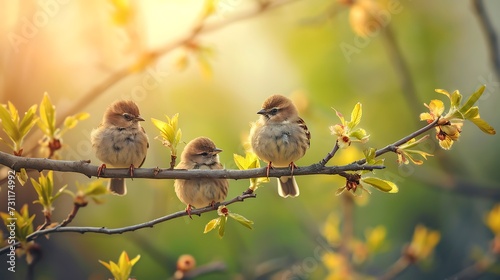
139, 118
217, 150
262, 112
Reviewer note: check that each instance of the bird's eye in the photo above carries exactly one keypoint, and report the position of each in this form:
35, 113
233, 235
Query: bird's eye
274, 111
128, 117
204, 154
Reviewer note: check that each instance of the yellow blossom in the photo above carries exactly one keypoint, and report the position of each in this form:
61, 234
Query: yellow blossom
375, 238
122, 270
493, 219
449, 126
331, 230
436, 109
337, 266
423, 243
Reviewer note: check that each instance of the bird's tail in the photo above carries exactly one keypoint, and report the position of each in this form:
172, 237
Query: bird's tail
287, 186
117, 186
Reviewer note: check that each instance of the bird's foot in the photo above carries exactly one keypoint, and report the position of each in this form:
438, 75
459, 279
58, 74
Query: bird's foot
100, 170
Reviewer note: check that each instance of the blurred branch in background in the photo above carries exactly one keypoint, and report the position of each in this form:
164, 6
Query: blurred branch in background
490, 34
401, 70
209, 268
150, 57
475, 270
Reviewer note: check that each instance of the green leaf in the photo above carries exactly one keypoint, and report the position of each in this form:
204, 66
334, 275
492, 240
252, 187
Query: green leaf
242, 220
29, 120
169, 130
339, 191
71, 121
410, 154
178, 136
359, 134
370, 154
382, 185
59, 192
211, 225
442, 91
8, 124
240, 162
164, 128
413, 142
24, 223
22, 176
370, 157
47, 116
94, 188
222, 226
44, 188
472, 99
472, 113
456, 114
122, 269
484, 126
455, 99
356, 115
174, 121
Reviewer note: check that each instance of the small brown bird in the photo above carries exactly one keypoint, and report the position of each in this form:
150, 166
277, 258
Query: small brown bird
280, 137
120, 141
200, 153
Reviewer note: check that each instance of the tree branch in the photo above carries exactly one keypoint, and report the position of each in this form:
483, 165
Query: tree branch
84, 167
396, 269
330, 155
392, 147
149, 224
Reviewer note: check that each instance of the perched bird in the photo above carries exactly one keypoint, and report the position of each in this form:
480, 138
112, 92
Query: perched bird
200, 153
280, 137
120, 141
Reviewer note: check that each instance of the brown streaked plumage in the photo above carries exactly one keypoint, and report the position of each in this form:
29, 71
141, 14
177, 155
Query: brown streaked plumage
280, 137
200, 153
120, 141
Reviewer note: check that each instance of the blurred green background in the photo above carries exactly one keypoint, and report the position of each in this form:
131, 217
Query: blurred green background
293, 50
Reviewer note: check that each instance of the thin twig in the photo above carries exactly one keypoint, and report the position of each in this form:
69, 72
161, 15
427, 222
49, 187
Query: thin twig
475, 270
396, 269
71, 215
347, 229
491, 36
46, 223
149, 224
392, 147
330, 155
